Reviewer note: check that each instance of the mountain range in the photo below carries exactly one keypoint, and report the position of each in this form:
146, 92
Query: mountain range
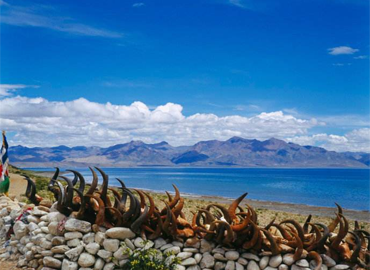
235, 152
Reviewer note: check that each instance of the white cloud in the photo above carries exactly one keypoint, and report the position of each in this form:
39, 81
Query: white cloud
342, 50
361, 57
237, 3
34, 17
137, 5
355, 140
9, 89
40, 122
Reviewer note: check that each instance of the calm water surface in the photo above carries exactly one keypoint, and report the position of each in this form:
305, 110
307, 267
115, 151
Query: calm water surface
319, 187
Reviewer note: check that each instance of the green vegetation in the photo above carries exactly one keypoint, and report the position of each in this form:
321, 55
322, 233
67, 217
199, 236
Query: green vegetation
149, 259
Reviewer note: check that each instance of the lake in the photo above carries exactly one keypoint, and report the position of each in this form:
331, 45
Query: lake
319, 187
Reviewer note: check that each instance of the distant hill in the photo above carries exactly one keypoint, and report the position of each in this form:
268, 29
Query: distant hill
235, 152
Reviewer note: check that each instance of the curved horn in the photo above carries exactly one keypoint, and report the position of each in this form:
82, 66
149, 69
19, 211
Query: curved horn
80, 177
234, 205
94, 183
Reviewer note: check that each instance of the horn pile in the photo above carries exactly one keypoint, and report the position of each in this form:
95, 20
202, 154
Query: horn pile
233, 226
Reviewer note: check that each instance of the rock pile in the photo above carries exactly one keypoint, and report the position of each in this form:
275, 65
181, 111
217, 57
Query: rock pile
43, 238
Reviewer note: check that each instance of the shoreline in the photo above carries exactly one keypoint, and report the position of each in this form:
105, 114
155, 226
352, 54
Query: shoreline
294, 208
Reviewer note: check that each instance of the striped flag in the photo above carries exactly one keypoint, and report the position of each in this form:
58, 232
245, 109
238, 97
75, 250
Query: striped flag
4, 174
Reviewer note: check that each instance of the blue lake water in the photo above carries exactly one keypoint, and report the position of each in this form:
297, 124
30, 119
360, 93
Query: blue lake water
319, 187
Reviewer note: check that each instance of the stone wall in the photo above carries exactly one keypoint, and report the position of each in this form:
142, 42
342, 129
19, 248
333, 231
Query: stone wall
45, 239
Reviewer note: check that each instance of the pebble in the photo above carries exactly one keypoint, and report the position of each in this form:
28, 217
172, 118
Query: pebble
120, 233
109, 266
220, 257
158, 243
208, 261
88, 238
232, 255
92, 248
106, 255
100, 237
189, 261
252, 265
52, 262
264, 262
242, 261
68, 265
139, 242
275, 261
60, 249
238, 266
76, 225
73, 253
111, 245
72, 235
173, 250
220, 265
129, 244
86, 260
99, 264
288, 259
251, 256
230, 265
339, 267
184, 255
283, 267
302, 263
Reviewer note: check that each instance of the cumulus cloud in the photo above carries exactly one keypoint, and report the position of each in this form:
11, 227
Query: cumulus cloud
342, 50
355, 140
9, 89
40, 122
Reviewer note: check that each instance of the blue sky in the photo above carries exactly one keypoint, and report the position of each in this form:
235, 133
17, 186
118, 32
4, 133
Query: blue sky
306, 59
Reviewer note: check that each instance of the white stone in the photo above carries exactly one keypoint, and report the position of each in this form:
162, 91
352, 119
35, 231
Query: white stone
158, 243
230, 265
129, 244
100, 237
251, 256
242, 261
20, 229
52, 262
339, 267
302, 263
220, 266
92, 248
208, 261
198, 257
139, 242
220, 257
173, 250
232, 255
238, 266
68, 265
252, 265
88, 238
264, 262
288, 259
74, 253
99, 264
283, 267
86, 260
72, 235
73, 242
275, 261
57, 241
109, 266
60, 249
76, 225
106, 255
189, 261
111, 245
121, 253
184, 255
120, 233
